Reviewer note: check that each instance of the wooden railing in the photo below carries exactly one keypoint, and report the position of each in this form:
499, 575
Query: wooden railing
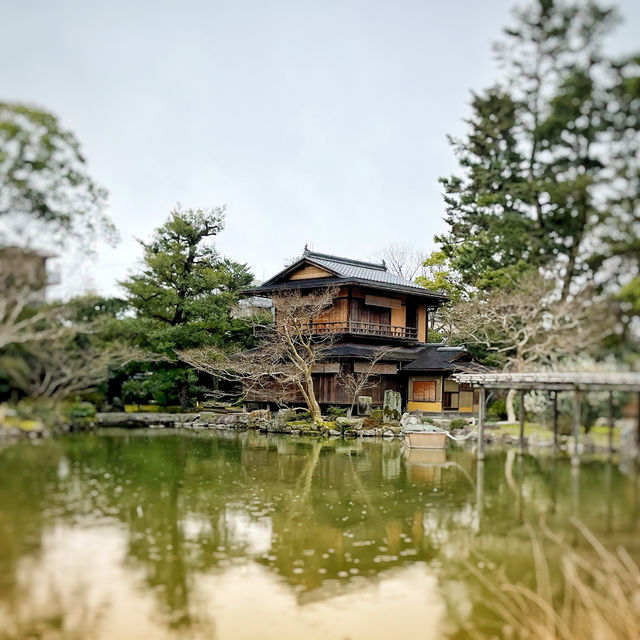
352, 327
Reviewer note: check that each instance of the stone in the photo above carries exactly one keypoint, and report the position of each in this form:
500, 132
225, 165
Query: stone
229, 419
350, 423
410, 420
185, 418
392, 409
388, 434
364, 405
334, 432
368, 433
259, 415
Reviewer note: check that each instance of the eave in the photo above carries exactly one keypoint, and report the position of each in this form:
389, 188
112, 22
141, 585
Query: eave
437, 299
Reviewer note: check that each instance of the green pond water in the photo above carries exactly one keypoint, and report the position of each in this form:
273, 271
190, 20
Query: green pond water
143, 534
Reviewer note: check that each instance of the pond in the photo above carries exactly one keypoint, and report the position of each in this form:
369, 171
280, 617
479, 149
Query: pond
163, 534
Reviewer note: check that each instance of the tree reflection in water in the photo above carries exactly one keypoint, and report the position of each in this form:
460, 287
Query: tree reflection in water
162, 532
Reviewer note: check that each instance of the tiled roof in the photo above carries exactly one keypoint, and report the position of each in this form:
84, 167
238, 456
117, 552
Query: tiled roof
358, 350
436, 356
347, 268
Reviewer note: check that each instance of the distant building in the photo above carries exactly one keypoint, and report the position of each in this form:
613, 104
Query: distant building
375, 308
26, 267
253, 305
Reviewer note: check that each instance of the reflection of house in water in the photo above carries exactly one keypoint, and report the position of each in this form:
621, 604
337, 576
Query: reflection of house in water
375, 308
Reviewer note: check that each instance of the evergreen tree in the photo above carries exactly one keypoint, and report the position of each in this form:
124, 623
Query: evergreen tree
550, 165
183, 298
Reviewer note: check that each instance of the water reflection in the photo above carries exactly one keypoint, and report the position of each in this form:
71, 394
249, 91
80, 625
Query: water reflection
139, 534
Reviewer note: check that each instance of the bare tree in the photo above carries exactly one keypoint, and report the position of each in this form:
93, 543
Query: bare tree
24, 317
528, 326
355, 382
61, 368
283, 364
403, 259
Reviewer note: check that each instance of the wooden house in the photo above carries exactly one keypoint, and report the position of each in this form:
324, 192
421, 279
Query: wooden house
373, 308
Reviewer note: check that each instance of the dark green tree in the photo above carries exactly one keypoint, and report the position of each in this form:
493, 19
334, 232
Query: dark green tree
549, 168
183, 298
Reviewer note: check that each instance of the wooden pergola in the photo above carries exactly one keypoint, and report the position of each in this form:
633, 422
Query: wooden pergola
553, 382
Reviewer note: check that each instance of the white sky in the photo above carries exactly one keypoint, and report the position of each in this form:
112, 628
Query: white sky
318, 121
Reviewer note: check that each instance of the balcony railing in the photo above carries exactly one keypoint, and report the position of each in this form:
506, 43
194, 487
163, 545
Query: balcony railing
353, 327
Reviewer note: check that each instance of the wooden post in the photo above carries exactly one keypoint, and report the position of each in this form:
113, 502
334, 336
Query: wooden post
480, 492
638, 431
555, 419
481, 413
575, 460
610, 422
521, 421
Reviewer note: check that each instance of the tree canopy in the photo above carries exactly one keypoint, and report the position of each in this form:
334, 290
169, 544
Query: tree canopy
549, 168
184, 294
44, 178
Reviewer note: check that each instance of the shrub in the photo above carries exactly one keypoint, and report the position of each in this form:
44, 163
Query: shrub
336, 412
80, 411
497, 410
377, 417
294, 415
458, 423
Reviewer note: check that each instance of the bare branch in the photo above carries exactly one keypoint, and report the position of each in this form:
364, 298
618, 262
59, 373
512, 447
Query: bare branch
280, 369
24, 317
355, 382
528, 325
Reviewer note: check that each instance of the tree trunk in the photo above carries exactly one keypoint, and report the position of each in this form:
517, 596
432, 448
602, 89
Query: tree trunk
183, 395
314, 407
511, 413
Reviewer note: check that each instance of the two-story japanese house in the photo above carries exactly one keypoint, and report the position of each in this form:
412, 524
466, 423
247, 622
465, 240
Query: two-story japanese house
375, 308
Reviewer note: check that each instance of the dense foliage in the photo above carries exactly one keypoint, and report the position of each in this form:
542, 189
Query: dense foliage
549, 179
182, 298
550, 164
44, 179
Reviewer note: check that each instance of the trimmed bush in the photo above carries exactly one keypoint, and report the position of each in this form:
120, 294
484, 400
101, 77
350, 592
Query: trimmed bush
294, 415
336, 412
457, 423
80, 411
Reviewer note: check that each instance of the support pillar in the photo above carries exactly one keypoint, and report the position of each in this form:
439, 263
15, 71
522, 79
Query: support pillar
480, 492
638, 430
481, 415
575, 459
521, 422
555, 419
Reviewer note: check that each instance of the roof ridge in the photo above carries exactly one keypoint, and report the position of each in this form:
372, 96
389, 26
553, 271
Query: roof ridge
359, 263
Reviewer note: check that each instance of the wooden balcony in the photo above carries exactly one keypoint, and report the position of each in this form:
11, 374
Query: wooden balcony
352, 327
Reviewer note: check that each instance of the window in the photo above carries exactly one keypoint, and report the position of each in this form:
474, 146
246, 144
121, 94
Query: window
425, 391
451, 395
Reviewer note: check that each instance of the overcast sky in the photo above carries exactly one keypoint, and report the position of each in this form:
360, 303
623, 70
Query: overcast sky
320, 122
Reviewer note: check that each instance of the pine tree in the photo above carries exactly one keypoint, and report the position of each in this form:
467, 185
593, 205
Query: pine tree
549, 169
184, 295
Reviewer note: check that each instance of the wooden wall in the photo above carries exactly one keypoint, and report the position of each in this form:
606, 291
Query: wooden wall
422, 322
329, 390
307, 272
